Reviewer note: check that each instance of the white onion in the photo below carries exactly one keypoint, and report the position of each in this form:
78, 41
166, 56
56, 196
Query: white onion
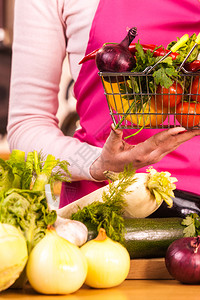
108, 262
56, 266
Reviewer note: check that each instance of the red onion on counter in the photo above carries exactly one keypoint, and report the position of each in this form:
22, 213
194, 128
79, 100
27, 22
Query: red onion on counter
183, 260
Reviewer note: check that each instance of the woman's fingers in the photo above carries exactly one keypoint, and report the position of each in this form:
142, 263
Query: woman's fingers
114, 143
117, 153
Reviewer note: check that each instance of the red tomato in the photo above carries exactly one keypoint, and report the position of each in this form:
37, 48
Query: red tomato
195, 89
170, 97
190, 114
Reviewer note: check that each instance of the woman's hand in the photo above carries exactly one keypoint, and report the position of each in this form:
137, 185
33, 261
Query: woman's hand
116, 153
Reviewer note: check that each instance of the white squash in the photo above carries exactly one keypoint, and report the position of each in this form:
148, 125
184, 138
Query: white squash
143, 196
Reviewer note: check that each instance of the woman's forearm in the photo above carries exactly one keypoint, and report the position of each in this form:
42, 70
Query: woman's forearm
39, 49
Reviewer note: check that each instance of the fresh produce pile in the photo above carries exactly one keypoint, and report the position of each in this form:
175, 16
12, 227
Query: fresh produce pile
37, 245
147, 99
57, 255
92, 240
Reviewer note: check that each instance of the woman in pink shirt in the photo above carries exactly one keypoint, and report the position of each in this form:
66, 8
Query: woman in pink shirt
43, 32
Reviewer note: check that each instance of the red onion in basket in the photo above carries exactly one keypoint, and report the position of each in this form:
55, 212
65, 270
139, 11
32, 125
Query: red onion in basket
183, 260
117, 57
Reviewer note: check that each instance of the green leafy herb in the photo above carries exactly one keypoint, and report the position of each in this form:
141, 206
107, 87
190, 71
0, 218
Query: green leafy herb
192, 223
108, 214
44, 171
165, 76
143, 59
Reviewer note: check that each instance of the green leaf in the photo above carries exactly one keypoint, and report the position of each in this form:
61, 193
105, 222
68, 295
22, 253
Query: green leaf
161, 77
192, 223
190, 229
17, 163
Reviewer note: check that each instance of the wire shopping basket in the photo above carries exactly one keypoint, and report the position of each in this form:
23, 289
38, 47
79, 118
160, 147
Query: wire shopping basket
135, 101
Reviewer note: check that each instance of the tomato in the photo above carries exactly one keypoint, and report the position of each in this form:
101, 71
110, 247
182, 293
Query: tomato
170, 97
195, 89
190, 114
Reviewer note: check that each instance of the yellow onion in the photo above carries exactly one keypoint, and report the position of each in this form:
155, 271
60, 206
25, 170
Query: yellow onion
56, 266
108, 261
13, 255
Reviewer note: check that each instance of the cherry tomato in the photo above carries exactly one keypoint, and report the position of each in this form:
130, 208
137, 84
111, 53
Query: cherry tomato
170, 97
190, 114
195, 89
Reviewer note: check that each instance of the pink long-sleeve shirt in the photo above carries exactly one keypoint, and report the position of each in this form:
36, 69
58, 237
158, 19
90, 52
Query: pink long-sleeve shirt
43, 32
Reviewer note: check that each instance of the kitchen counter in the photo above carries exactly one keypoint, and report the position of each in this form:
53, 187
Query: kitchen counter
129, 289
148, 279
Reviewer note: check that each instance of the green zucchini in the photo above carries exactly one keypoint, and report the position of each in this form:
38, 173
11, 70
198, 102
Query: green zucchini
148, 237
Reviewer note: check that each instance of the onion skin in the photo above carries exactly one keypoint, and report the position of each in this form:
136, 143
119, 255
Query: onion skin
183, 260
